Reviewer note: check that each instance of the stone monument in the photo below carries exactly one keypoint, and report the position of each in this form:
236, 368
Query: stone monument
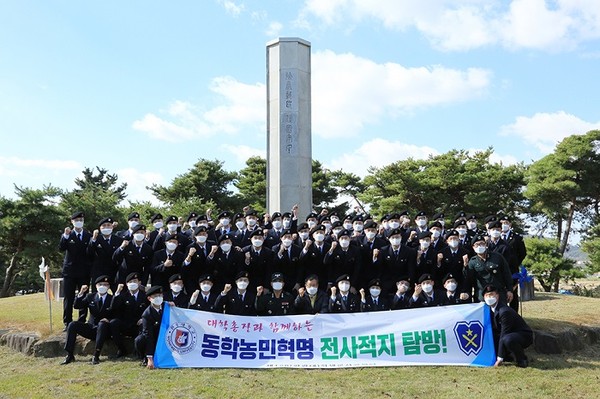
289, 154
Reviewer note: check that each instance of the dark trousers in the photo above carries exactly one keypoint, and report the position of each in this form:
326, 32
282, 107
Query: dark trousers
70, 285
140, 343
515, 302
514, 343
99, 333
120, 329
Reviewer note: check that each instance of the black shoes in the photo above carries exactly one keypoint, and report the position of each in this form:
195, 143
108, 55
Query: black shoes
523, 363
95, 360
144, 362
68, 359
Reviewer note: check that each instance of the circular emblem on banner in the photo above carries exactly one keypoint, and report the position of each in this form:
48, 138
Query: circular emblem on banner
181, 338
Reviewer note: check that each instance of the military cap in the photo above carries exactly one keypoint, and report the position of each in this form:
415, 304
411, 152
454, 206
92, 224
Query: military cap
206, 277
424, 234
318, 227
285, 231
403, 213
420, 213
102, 279
275, 215
303, 226
242, 274
175, 277
477, 238
370, 225
460, 215
105, 220
452, 233
358, 218
224, 237
156, 216
133, 215
192, 215
439, 215
251, 212
201, 218
239, 215
277, 276
403, 278
171, 236
436, 224
286, 215
312, 215
495, 225
77, 215
447, 277
375, 282
132, 276
384, 218
344, 233
224, 214
336, 224
138, 228
489, 289
257, 233
504, 218
395, 232
323, 218
348, 217
171, 218
490, 218
200, 229
424, 277
460, 222
394, 216
472, 217
155, 289
343, 277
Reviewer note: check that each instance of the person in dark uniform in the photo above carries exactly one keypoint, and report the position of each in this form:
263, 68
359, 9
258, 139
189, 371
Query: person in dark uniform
312, 256
97, 327
133, 219
286, 260
203, 298
367, 244
517, 244
167, 262
343, 301
258, 260
311, 299
426, 256
190, 224
373, 301
487, 268
276, 303
401, 299
101, 249
273, 235
134, 256
425, 295
173, 228
225, 261
127, 308
453, 259
145, 342
344, 259
77, 266
239, 301
395, 260
196, 262
224, 226
157, 221
452, 291
438, 242
302, 235
512, 335
176, 295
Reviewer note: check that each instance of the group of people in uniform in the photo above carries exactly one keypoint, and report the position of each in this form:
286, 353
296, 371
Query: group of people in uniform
278, 264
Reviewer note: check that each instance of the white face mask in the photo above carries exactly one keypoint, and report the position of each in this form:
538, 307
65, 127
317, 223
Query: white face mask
224, 222
403, 288
334, 219
490, 300
319, 237
78, 225
370, 235
505, 227
102, 289
106, 231
348, 226
132, 286
344, 286
344, 243
425, 244
192, 223
421, 222
277, 286
435, 233
242, 285
442, 222
158, 225
480, 250
427, 288
451, 287
311, 224
375, 292
201, 239
286, 223
286, 242
176, 288
359, 227
240, 225
471, 225
303, 235
205, 287
132, 223
225, 247
257, 242
172, 227
495, 233
140, 237
312, 290
462, 232
453, 244
327, 226
277, 224
395, 241
171, 246
394, 225
157, 300
337, 231
251, 222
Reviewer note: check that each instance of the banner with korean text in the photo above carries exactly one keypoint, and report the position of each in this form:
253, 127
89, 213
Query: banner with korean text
448, 335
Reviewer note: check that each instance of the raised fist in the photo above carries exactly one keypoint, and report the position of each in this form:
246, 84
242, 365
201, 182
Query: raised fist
307, 244
227, 288
259, 290
362, 293
213, 250
301, 291
83, 289
95, 235
67, 231
124, 243
375, 253
192, 252
333, 245
120, 288
333, 291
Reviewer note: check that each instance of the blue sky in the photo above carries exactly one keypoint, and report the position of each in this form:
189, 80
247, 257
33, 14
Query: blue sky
145, 88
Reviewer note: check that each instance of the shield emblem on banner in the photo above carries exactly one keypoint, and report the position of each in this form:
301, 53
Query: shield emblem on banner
181, 338
469, 336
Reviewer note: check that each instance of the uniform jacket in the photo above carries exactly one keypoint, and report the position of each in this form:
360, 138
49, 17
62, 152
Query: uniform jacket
151, 319
338, 305
304, 306
98, 310
76, 262
127, 308
232, 303
132, 259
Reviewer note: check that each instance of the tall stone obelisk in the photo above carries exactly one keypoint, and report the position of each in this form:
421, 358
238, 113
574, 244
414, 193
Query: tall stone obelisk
289, 154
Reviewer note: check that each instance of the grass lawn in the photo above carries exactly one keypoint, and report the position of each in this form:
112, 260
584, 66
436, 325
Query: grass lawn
574, 375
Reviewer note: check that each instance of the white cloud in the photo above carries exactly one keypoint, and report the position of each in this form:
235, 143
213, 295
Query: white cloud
242, 152
350, 91
495, 157
378, 153
16, 166
243, 106
465, 24
274, 29
232, 7
545, 130
137, 182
